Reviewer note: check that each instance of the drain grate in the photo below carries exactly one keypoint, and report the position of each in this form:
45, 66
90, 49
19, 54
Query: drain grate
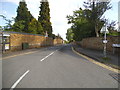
115, 76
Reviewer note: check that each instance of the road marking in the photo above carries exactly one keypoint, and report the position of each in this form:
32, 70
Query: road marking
57, 50
19, 55
22, 54
18, 81
98, 63
49, 55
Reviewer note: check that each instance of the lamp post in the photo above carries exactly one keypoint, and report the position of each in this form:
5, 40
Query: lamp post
105, 31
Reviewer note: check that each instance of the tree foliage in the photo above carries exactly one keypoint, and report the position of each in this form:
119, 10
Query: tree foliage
58, 36
35, 27
97, 8
25, 22
69, 35
111, 26
88, 22
23, 15
8, 23
53, 36
81, 25
1, 29
18, 26
44, 17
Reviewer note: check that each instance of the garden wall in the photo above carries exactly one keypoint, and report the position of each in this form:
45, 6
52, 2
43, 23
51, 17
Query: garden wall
34, 41
97, 42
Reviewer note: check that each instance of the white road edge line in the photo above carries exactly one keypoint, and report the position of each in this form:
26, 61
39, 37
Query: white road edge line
18, 81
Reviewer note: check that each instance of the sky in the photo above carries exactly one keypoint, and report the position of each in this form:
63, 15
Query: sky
119, 14
59, 9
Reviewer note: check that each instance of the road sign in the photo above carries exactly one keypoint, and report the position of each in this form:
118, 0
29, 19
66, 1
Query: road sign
6, 46
105, 41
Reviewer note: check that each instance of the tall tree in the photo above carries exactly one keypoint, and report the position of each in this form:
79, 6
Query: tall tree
44, 17
35, 27
81, 25
23, 15
88, 22
98, 8
18, 26
69, 35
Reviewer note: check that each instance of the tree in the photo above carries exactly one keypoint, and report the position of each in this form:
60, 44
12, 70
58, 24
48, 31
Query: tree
53, 36
69, 35
1, 29
111, 26
97, 8
18, 26
39, 28
23, 15
58, 36
81, 24
88, 22
35, 27
44, 17
8, 22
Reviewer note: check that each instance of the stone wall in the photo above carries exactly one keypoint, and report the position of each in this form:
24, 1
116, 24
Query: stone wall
57, 41
97, 43
34, 41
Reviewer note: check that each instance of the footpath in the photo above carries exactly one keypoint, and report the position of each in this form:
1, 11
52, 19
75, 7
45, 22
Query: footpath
112, 60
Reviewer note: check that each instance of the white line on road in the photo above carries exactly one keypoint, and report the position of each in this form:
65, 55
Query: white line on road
17, 82
48, 55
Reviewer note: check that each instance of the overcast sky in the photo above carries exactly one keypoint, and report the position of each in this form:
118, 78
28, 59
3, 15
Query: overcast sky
59, 9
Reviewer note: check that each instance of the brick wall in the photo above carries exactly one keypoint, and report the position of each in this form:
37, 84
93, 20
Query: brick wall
58, 41
34, 41
96, 43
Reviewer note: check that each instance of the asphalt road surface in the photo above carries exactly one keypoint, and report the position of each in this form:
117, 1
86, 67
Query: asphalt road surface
54, 67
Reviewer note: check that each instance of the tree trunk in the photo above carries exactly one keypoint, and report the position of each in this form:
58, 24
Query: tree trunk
96, 31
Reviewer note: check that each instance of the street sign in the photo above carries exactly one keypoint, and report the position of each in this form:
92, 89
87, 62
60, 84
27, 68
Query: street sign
104, 30
6, 46
105, 41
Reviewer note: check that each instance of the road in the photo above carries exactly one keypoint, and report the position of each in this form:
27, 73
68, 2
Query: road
54, 67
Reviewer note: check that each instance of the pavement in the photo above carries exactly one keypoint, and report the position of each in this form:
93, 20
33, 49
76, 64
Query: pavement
112, 59
54, 67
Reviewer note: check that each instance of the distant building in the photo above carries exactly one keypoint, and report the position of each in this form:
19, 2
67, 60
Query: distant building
119, 16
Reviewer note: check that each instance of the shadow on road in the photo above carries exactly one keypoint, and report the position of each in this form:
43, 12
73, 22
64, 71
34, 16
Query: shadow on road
68, 51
